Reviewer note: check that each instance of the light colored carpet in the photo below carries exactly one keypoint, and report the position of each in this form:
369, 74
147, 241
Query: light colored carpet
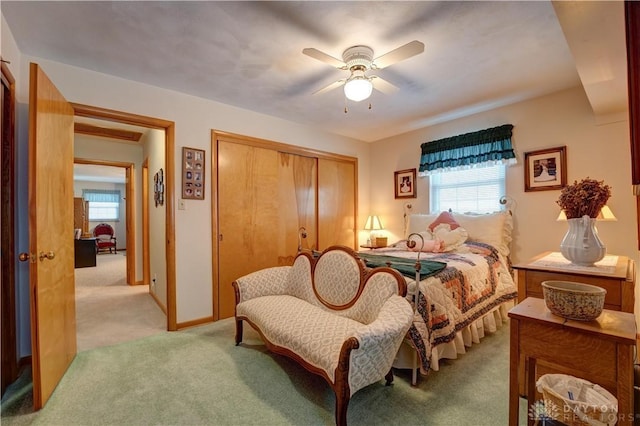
199, 377
108, 311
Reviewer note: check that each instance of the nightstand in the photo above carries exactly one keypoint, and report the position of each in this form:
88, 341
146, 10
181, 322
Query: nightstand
600, 351
616, 274
368, 246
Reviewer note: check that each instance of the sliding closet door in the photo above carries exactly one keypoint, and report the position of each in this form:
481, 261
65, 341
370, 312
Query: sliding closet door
266, 191
336, 203
297, 184
264, 197
248, 216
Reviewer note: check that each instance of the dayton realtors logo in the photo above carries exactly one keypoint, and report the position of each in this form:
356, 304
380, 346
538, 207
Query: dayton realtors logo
544, 411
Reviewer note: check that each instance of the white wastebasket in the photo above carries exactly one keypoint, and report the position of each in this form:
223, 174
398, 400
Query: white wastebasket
577, 402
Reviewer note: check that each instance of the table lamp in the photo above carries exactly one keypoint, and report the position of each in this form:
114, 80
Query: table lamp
373, 224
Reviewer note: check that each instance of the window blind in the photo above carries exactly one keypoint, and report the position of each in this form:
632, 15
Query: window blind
476, 190
104, 204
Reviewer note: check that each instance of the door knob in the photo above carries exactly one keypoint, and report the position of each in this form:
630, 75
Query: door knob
23, 257
50, 255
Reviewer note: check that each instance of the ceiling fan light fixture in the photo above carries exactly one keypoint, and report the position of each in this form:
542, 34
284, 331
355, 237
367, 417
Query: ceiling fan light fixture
359, 59
358, 87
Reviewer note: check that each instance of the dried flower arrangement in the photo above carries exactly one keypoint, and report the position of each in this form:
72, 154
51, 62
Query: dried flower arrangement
586, 197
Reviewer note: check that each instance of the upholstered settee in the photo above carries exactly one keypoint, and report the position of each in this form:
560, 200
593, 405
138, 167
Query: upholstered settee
331, 314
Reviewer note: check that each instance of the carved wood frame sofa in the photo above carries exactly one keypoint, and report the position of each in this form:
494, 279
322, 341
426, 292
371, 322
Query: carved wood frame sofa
332, 315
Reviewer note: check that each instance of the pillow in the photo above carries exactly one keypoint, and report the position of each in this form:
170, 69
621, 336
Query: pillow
444, 217
493, 228
418, 222
430, 245
451, 238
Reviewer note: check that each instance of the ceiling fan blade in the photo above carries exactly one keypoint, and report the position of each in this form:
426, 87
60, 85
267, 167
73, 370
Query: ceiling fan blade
383, 85
410, 49
323, 57
331, 86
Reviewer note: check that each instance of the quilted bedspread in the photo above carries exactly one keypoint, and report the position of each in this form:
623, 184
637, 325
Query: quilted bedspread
475, 281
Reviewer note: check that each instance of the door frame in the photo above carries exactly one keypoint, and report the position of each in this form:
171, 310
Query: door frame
129, 191
9, 367
632, 32
169, 143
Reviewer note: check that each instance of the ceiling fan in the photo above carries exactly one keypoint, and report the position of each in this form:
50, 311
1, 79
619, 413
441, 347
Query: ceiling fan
358, 60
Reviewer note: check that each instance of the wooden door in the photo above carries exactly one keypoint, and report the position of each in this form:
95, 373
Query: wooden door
264, 197
53, 320
297, 177
336, 203
265, 192
248, 216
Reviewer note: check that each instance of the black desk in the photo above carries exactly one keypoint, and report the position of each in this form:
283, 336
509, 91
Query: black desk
85, 252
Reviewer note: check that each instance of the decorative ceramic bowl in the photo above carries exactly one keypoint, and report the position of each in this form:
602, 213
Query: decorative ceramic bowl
575, 301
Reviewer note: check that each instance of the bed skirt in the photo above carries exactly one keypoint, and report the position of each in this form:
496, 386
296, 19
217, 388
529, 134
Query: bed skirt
407, 357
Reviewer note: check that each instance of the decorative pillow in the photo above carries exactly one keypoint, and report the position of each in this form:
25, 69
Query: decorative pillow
430, 245
452, 238
493, 228
444, 217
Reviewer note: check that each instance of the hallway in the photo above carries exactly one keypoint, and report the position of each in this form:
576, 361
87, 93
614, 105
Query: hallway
108, 311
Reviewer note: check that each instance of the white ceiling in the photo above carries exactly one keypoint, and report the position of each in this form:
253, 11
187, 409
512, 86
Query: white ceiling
478, 55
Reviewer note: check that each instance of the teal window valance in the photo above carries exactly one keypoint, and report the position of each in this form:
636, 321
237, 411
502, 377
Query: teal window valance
101, 195
484, 147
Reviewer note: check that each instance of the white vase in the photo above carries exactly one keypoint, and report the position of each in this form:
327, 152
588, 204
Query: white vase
581, 244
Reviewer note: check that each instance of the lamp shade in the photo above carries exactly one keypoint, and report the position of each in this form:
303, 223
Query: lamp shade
605, 215
358, 88
373, 223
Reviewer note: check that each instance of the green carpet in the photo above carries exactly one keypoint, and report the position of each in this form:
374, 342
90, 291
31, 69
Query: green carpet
199, 377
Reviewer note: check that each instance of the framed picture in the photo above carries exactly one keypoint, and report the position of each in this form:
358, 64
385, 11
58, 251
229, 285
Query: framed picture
404, 182
158, 188
193, 173
545, 169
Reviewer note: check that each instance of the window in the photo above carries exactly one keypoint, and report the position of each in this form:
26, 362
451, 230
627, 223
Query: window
475, 190
103, 204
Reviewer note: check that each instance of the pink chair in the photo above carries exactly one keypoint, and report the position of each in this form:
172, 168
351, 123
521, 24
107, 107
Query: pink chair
105, 238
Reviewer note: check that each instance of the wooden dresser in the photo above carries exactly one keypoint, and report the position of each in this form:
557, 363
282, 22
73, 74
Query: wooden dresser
617, 277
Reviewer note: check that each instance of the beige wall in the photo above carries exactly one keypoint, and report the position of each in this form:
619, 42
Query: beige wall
565, 118
154, 151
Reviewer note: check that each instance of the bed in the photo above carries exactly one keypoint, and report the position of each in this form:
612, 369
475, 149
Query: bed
463, 293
